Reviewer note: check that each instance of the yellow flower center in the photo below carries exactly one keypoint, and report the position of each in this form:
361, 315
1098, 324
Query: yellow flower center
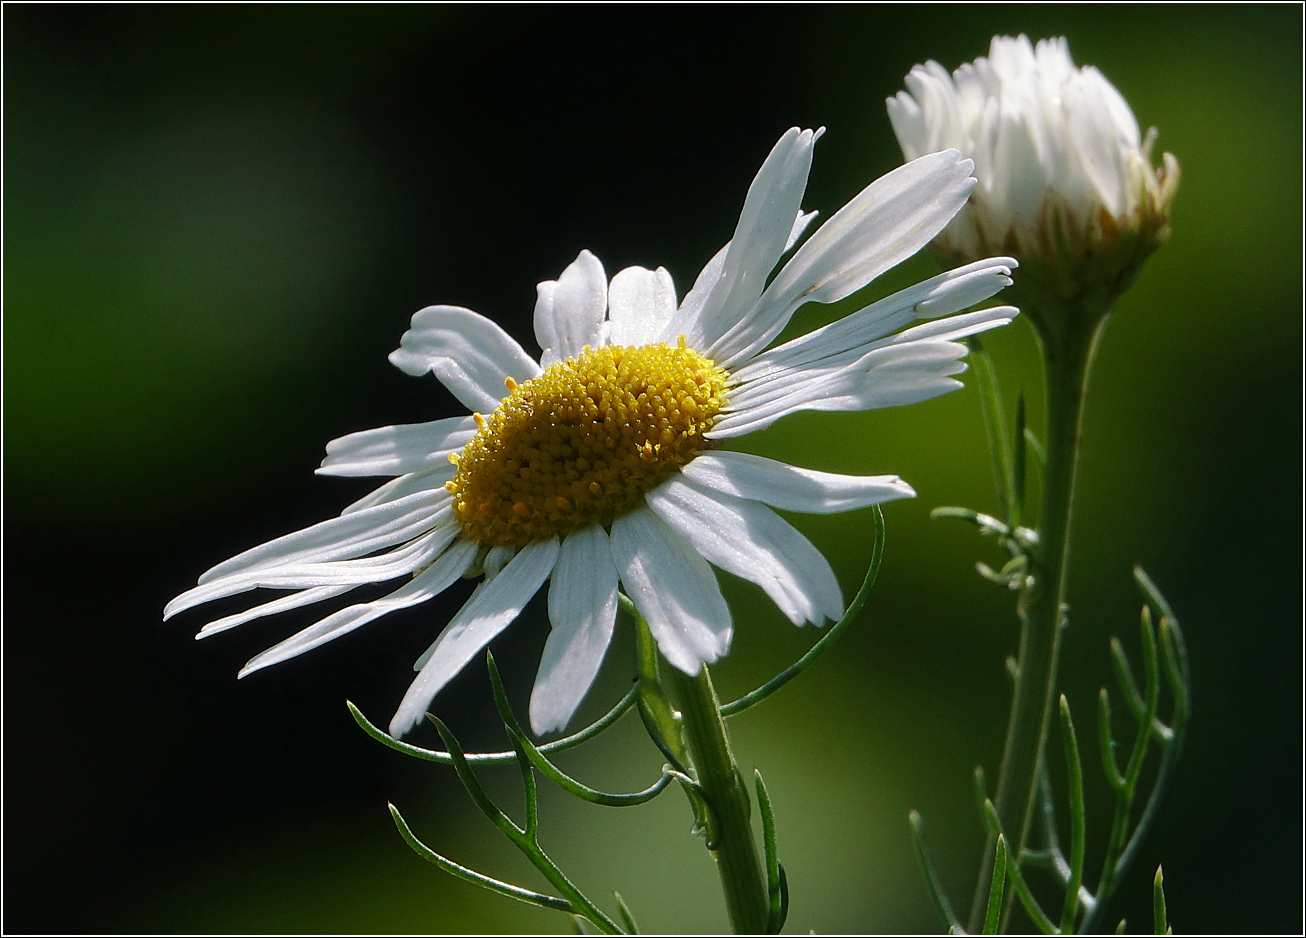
584, 441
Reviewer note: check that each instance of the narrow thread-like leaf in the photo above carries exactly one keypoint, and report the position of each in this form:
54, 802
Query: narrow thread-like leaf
828, 639
1161, 925
479, 796
993, 911
1151, 665
1022, 890
1018, 464
627, 919
934, 885
494, 758
986, 383
769, 851
1125, 678
1035, 447
517, 738
1075, 777
479, 879
1105, 741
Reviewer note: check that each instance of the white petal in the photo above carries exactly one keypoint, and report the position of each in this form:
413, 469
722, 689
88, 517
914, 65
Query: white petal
685, 321
800, 225
773, 202
751, 541
1095, 141
938, 296
284, 604
673, 588
582, 609
569, 310
781, 485
432, 581
393, 451
890, 220
343, 538
907, 120
497, 558
470, 355
953, 327
376, 569
429, 480
490, 610
907, 368
641, 304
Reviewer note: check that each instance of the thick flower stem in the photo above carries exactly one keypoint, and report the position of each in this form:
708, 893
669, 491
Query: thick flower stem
729, 834
1068, 357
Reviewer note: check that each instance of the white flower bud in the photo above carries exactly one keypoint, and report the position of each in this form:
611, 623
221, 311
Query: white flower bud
1065, 183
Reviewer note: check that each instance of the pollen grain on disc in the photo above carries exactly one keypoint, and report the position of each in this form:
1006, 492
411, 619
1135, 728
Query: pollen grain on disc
584, 441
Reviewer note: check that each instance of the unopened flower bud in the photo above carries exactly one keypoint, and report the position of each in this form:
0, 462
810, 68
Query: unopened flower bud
1065, 182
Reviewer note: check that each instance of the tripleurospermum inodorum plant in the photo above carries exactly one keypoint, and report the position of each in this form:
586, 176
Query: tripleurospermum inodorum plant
1068, 187
605, 468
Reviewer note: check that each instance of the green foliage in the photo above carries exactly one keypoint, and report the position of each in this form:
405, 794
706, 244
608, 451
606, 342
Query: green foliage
665, 728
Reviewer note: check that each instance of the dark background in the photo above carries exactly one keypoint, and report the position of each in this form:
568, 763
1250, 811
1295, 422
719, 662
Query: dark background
218, 221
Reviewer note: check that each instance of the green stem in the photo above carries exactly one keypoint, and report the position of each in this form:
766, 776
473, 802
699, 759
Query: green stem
1068, 357
729, 834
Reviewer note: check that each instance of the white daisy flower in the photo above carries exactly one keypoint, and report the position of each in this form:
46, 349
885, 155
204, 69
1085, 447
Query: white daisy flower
599, 467
1063, 172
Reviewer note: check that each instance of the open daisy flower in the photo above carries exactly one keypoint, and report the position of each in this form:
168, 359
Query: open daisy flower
599, 467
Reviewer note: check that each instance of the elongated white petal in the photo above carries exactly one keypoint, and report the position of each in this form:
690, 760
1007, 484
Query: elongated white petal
751, 541
376, 569
286, 603
429, 480
890, 220
485, 615
1093, 139
889, 377
773, 202
641, 304
582, 610
432, 581
907, 368
781, 485
343, 538
939, 296
471, 355
496, 559
800, 225
685, 321
673, 588
569, 310
953, 327
967, 286
760, 391
393, 451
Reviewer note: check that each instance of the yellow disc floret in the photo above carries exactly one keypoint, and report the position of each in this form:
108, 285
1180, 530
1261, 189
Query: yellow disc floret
584, 441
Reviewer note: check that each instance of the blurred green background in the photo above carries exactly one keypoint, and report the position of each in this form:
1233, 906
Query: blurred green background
218, 221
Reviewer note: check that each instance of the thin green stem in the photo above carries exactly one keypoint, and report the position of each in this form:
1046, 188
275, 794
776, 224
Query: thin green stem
729, 834
1068, 357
